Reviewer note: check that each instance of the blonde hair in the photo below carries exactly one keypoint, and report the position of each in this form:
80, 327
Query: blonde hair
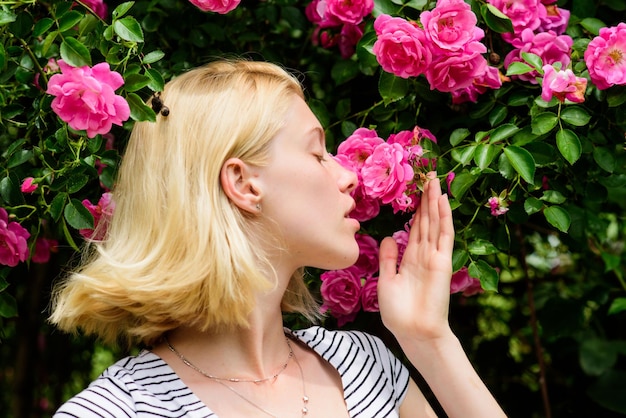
177, 250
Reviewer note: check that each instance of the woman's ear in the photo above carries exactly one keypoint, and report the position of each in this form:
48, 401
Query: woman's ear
240, 184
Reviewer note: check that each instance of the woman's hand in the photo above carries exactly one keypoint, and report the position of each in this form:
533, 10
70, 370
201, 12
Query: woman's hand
414, 298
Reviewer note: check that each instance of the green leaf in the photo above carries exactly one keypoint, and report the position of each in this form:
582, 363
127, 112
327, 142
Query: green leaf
463, 155
495, 19
77, 215
616, 96
19, 158
392, 88
134, 82
604, 158
534, 60
139, 111
458, 135
461, 184
7, 16
503, 132
498, 114
344, 71
69, 20
596, 356
569, 145
517, 68
484, 155
481, 247
74, 53
42, 26
152, 57
608, 391
76, 182
592, 25
8, 305
122, 9
575, 115
522, 161
543, 123
157, 83
10, 190
554, 197
57, 205
558, 217
487, 275
385, 7
459, 258
128, 29
617, 306
532, 205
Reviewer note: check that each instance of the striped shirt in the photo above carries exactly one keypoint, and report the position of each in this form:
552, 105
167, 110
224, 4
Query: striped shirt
374, 382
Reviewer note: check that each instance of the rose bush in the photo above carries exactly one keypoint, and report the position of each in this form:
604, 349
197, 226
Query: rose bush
519, 106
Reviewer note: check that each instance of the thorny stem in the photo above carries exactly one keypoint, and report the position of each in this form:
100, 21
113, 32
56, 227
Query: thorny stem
535, 328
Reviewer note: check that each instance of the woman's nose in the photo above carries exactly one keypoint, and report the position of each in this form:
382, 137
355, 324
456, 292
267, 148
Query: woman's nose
348, 179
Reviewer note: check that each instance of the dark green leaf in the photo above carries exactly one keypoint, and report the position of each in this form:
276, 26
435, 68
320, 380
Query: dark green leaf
532, 205
74, 53
69, 20
128, 29
19, 158
459, 258
558, 217
617, 306
616, 96
495, 19
385, 7
10, 190
569, 145
604, 158
592, 25
498, 115
122, 9
575, 115
461, 183
484, 155
57, 205
42, 26
487, 275
139, 111
392, 88
522, 161
76, 182
458, 135
543, 123
596, 356
503, 132
134, 82
77, 215
481, 247
463, 155
344, 71
553, 196
8, 305
608, 391
156, 80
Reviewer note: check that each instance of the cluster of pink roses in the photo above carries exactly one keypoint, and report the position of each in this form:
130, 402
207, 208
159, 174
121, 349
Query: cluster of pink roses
605, 57
446, 49
338, 22
85, 97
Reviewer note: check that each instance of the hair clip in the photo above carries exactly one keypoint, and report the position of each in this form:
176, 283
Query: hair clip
158, 106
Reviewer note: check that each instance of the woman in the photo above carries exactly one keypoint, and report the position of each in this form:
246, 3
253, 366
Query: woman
220, 204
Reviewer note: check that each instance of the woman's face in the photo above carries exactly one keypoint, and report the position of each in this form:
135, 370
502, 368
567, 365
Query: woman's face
307, 194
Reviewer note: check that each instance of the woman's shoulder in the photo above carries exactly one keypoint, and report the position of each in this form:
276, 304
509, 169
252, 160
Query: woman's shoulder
135, 386
316, 335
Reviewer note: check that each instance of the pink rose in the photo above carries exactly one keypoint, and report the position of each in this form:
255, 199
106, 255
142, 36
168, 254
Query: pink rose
451, 25
349, 12
490, 79
497, 205
359, 146
13, 237
98, 7
101, 213
386, 172
524, 14
401, 47
606, 57
86, 99
217, 6
366, 207
458, 69
369, 295
563, 85
341, 292
449, 178
556, 20
552, 48
43, 248
402, 239
28, 186
348, 38
462, 282
316, 12
367, 263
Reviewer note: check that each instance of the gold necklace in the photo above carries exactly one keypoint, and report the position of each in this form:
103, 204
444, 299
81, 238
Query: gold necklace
221, 380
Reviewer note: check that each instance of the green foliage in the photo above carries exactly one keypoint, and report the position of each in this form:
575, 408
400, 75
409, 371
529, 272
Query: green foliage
553, 264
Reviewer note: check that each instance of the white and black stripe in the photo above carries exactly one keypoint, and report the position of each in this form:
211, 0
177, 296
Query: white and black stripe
374, 382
